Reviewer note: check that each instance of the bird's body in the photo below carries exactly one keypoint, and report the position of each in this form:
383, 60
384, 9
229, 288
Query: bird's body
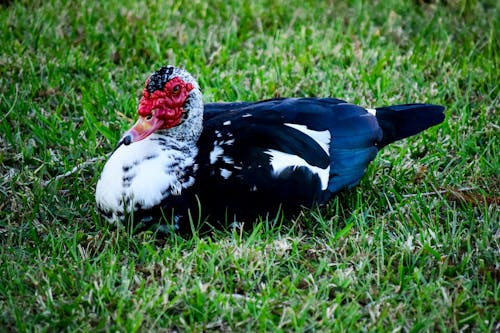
237, 161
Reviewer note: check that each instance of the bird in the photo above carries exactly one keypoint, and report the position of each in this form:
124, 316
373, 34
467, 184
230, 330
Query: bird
185, 163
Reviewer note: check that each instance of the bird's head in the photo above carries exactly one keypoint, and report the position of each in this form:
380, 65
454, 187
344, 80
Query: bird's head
171, 103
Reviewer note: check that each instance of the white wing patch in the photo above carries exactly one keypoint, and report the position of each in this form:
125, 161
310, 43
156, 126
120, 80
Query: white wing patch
280, 161
227, 159
225, 173
322, 138
372, 111
215, 154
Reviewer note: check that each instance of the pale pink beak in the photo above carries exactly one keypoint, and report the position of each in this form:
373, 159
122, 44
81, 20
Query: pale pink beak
144, 127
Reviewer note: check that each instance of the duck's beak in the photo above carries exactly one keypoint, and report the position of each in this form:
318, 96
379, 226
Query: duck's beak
144, 127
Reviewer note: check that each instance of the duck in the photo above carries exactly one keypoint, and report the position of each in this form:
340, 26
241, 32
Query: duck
185, 163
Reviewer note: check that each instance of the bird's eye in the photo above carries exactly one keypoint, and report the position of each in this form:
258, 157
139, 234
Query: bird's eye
176, 89
149, 116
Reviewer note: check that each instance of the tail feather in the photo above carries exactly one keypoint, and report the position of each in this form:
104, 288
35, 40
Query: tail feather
401, 121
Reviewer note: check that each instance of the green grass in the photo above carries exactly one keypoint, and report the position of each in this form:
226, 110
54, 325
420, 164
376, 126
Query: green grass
415, 247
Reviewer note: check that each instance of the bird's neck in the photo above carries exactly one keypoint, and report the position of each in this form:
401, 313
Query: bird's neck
156, 146
186, 133
171, 142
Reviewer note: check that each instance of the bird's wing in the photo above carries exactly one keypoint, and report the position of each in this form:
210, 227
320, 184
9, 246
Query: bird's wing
216, 109
294, 150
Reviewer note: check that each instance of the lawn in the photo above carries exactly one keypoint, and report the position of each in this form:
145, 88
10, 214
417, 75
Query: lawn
415, 247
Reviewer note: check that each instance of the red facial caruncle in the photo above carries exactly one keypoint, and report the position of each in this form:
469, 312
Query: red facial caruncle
160, 109
166, 104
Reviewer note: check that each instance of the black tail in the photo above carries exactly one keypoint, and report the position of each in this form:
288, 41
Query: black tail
401, 121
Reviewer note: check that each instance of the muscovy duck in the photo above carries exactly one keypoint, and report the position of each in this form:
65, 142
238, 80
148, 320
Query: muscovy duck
226, 162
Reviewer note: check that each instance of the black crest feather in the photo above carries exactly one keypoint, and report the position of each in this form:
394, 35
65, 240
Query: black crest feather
158, 79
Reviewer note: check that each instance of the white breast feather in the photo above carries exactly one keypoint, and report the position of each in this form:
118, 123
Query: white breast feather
148, 172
